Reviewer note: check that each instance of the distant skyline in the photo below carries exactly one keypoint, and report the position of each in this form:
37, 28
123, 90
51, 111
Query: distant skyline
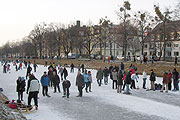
18, 17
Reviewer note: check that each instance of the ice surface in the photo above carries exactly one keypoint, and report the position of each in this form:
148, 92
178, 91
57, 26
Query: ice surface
103, 103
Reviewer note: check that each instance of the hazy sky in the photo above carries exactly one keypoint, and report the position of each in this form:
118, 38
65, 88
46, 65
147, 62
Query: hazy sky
18, 17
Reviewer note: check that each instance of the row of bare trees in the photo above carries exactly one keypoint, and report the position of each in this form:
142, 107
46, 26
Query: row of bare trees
55, 38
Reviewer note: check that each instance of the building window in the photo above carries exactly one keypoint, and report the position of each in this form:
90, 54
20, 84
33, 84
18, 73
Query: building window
159, 53
117, 53
169, 45
117, 46
176, 53
145, 53
128, 53
145, 46
176, 45
169, 54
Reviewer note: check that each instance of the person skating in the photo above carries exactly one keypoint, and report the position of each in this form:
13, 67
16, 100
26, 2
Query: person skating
35, 66
33, 89
106, 74
80, 83
61, 72
170, 80
99, 76
56, 82
144, 79
85, 75
175, 79
72, 68
65, 72
50, 75
66, 85
20, 87
29, 69
89, 80
114, 78
119, 81
175, 61
82, 67
152, 79
45, 82
128, 82
4, 68
165, 81
122, 67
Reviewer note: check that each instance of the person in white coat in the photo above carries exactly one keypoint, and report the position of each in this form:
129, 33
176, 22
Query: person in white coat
33, 89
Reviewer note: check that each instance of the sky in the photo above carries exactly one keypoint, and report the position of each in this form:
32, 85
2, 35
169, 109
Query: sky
18, 17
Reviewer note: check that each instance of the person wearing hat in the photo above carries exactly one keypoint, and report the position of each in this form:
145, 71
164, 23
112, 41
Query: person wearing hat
20, 87
45, 82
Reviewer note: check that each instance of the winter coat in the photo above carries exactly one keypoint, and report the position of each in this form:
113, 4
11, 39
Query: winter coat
65, 72
134, 77
99, 74
56, 79
20, 85
175, 75
50, 74
144, 75
122, 66
80, 80
60, 70
128, 78
120, 78
29, 69
72, 65
165, 78
114, 75
33, 85
170, 76
66, 84
45, 80
106, 72
90, 78
85, 77
152, 76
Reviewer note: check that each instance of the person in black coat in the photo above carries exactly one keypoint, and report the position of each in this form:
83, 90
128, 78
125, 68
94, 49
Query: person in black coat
65, 72
128, 81
66, 85
80, 83
119, 81
56, 81
175, 79
82, 66
20, 87
110, 71
29, 69
72, 67
152, 79
106, 74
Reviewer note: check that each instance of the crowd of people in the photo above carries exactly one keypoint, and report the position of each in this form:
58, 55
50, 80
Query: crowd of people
123, 81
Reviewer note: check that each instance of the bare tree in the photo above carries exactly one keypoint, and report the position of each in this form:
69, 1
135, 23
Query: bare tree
124, 18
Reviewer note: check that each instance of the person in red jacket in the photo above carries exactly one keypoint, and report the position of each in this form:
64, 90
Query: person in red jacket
170, 81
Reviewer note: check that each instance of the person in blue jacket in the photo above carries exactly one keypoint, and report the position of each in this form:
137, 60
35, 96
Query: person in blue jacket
86, 80
45, 82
